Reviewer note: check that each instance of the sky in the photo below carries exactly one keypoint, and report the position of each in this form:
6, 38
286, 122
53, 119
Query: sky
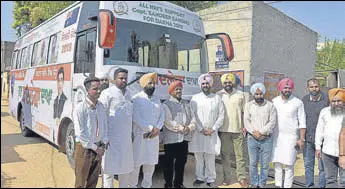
324, 17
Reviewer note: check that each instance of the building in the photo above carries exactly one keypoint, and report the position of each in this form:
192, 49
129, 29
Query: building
268, 44
6, 54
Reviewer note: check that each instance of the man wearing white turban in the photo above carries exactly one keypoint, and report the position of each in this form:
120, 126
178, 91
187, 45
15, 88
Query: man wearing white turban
209, 114
260, 118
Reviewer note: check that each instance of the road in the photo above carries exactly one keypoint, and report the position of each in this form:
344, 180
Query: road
34, 162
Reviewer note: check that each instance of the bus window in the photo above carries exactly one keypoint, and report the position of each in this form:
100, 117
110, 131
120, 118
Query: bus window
22, 58
194, 60
43, 51
35, 54
86, 52
81, 55
53, 49
183, 60
91, 51
28, 56
18, 59
14, 59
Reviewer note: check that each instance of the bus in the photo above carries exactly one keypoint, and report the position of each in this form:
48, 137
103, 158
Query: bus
51, 61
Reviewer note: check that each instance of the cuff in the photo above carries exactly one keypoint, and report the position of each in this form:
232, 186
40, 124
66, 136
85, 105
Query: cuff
94, 147
150, 128
317, 147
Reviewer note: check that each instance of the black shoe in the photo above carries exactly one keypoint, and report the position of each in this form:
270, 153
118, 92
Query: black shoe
167, 186
180, 186
198, 182
212, 185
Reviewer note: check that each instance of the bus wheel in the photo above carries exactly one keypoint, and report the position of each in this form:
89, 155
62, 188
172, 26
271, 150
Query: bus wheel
70, 144
25, 131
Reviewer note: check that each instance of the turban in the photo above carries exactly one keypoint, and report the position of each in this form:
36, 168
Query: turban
145, 79
286, 81
257, 86
337, 92
229, 76
205, 77
173, 86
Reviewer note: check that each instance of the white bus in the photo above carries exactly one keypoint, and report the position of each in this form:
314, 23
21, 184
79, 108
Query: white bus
50, 62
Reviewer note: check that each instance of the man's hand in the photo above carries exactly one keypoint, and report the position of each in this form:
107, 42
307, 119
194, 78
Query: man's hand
180, 129
100, 151
342, 161
186, 130
244, 131
258, 136
318, 154
300, 144
155, 132
208, 132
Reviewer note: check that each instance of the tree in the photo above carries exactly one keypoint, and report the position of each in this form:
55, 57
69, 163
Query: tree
29, 14
330, 57
195, 5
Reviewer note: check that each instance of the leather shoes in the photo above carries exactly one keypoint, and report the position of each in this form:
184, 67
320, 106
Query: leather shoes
180, 186
244, 183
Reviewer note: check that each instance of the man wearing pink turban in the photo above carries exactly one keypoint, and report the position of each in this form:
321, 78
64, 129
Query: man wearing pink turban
209, 114
287, 142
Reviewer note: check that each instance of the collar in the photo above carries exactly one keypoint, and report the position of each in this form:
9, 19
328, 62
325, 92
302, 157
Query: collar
318, 99
263, 104
233, 91
174, 99
90, 104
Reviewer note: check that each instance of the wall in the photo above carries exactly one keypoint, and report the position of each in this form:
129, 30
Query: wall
235, 19
281, 44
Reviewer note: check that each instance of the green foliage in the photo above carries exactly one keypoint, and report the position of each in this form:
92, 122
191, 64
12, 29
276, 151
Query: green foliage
195, 5
29, 14
330, 57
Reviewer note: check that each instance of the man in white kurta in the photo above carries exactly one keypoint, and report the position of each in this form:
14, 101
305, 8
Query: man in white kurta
208, 109
118, 159
290, 133
148, 119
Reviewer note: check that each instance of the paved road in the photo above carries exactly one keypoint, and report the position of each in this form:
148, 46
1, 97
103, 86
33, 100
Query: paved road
34, 162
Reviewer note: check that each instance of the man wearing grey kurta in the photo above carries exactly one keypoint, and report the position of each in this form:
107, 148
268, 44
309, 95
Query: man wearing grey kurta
178, 124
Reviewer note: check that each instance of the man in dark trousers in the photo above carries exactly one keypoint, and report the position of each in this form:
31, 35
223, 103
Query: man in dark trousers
314, 102
91, 128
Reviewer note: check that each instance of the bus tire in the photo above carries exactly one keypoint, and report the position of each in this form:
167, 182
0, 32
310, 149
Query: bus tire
26, 132
70, 144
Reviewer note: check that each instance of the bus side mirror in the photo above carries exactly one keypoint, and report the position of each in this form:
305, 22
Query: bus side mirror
106, 29
226, 44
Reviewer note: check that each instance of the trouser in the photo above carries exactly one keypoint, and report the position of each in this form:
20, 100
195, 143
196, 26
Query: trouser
205, 166
309, 163
289, 171
87, 167
332, 169
177, 152
232, 148
259, 150
147, 180
124, 180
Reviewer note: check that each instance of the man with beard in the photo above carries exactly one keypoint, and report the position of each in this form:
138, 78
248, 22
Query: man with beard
260, 118
179, 122
118, 159
291, 119
342, 145
314, 102
327, 134
103, 76
231, 136
148, 119
209, 114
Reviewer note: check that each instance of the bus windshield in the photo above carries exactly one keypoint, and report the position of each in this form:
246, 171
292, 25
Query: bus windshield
149, 45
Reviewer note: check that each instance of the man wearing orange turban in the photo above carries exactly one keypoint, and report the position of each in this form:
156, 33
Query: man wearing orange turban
327, 134
173, 86
178, 124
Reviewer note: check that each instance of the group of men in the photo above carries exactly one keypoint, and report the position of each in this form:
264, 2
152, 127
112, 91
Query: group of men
119, 133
